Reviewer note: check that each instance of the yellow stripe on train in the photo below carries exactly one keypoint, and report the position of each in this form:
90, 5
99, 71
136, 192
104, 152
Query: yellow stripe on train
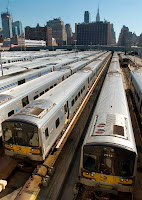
107, 179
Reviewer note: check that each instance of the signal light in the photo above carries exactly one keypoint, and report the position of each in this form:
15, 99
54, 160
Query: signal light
126, 180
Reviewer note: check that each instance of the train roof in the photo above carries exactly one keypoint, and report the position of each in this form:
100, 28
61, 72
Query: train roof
137, 75
53, 99
26, 88
111, 123
123, 56
43, 62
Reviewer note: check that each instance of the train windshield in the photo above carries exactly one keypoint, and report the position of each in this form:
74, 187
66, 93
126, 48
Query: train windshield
109, 160
20, 133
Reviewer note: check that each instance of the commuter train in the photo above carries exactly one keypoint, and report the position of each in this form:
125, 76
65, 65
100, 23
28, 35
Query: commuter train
9, 82
10, 57
32, 131
13, 100
124, 60
108, 154
40, 62
136, 88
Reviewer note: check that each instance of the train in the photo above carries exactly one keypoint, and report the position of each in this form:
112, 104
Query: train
136, 88
11, 101
41, 62
32, 132
10, 57
108, 160
8, 82
124, 60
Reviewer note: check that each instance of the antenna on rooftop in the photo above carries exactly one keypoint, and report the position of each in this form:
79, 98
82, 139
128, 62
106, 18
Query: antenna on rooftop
7, 6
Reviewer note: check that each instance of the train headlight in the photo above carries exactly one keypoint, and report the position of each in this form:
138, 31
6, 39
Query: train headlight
35, 151
8, 146
92, 174
127, 180
121, 179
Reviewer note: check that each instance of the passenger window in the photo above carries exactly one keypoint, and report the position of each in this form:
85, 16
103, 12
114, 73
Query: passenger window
76, 98
88, 80
57, 123
10, 113
25, 101
72, 103
81, 91
46, 89
35, 97
79, 94
84, 88
65, 108
46, 133
51, 87
42, 93
21, 82
55, 84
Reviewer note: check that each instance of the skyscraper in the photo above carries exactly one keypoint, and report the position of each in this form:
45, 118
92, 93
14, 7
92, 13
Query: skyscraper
58, 31
98, 16
125, 37
94, 33
86, 17
69, 34
39, 33
6, 25
17, 28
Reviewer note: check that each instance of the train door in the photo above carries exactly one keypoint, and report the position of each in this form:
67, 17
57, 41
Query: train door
66, 110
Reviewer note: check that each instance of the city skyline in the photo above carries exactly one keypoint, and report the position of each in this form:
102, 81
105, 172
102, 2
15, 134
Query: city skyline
117, 12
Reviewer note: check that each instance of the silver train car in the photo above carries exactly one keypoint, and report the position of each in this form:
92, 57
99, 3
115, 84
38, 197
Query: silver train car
33, 130
136, 88
124, 60
108, 154
40, 62
17, 56
13, 100
8, 82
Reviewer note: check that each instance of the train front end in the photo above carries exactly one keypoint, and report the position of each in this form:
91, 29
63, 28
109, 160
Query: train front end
108, 169
21, 140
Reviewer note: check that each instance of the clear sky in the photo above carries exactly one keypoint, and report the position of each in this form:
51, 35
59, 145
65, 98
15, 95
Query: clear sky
118, 12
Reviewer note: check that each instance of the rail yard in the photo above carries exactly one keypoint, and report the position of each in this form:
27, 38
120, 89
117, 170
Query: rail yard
70, 126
